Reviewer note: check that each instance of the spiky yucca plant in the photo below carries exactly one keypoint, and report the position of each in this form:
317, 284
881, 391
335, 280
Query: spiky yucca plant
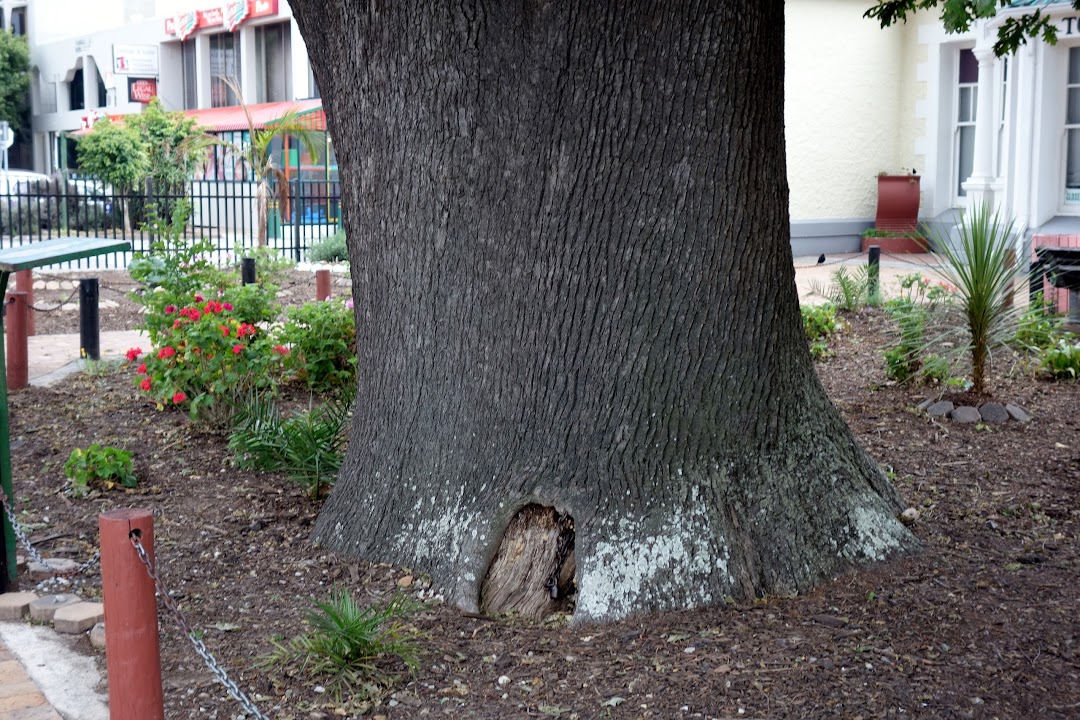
983, 268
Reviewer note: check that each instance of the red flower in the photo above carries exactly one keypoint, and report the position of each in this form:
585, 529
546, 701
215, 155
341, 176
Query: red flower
179, 398
177, 323
134, 353
198, 298
170, 309
237, 349
224, 330
145, 384
166, 352
141, 369
245, 329
281, 350
226, 306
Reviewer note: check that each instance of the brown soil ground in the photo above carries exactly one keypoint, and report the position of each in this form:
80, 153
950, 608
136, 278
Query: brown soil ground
981, 624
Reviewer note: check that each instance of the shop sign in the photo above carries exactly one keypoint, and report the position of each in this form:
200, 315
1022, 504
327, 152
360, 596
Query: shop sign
142, 90
230, 15
135, 59
1069, 26
1072, 197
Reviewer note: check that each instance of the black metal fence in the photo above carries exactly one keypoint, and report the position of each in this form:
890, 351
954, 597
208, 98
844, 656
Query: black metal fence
224, 212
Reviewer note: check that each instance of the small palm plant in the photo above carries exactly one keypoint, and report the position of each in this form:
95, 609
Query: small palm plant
355, 650
257, 156
983, 268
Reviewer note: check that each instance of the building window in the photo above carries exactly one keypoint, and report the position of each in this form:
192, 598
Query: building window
967, 100
191, 82
1003, 118
76, 98
271, 62
18, 21
224, 64
1072, 129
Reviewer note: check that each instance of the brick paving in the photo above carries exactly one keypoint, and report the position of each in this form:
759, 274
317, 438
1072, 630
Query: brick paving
20, 698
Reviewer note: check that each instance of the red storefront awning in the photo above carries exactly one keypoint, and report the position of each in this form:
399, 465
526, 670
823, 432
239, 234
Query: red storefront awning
224, 119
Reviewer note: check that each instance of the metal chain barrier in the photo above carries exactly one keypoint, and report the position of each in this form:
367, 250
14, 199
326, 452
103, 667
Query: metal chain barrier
20, 533
59, 306
200, 648
831, 262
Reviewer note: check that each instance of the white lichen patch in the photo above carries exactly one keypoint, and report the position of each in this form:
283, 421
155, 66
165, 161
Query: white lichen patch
677, 567
875, 534
448, 531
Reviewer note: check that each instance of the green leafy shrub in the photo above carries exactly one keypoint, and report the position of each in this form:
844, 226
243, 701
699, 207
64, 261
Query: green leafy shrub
308, 447
1039, 328
352, 649
331, 248
321, 337
1063, 360
935, 369
271, 265
206, 359
174, 272
819, 321
903, 360
98, 465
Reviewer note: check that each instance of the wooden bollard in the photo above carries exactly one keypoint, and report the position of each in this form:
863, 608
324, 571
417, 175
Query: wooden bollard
322, 284
17, 354
24, 282
132, 656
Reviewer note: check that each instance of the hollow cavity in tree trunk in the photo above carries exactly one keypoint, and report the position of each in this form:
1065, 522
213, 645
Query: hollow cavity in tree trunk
532, 573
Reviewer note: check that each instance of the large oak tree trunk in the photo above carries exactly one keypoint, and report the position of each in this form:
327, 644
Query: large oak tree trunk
568, 230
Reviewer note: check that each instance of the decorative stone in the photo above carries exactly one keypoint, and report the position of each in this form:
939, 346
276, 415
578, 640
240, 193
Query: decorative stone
965, 414
940, 409
97, 636
20, 563
44, 608
39, 572
52, 285
993, 412
15, 605
909, 516
78, 618
925, 404
1017, 413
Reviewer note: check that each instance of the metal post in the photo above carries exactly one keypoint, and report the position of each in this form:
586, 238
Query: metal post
247, 270
132, 654
17, 355
89, 330
874, 272
322, 284
24, 283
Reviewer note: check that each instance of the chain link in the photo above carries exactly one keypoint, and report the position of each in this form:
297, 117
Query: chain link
200, 648
20, 533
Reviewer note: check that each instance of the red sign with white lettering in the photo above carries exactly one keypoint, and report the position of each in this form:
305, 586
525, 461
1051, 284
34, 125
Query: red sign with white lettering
141, 90
215, 17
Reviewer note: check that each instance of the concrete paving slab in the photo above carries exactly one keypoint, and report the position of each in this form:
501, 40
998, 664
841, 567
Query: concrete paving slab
15, 605
78, 618
69, 681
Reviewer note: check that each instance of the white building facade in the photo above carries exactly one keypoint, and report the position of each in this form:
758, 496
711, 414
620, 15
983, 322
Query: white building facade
179, 52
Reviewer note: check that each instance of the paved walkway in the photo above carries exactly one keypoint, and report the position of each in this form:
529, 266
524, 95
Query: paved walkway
20, 698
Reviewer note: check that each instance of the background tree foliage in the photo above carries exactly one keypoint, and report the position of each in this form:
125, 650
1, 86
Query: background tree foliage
958, 16
14, 80
166, 138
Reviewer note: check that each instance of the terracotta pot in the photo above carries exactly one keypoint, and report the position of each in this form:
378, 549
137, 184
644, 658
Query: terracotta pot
897, 203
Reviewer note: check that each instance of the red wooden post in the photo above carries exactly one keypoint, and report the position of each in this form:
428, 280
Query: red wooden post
24, 282
132, 657
322, 284
15, 328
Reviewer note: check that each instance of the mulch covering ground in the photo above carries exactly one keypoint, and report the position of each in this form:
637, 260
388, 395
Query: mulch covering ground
982, 624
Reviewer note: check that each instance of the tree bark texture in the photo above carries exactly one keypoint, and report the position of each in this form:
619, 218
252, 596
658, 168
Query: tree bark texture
568, 230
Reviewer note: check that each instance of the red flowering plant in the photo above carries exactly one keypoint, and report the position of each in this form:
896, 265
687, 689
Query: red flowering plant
207, 358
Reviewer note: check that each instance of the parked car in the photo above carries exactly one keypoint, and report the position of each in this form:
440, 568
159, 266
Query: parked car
17, 182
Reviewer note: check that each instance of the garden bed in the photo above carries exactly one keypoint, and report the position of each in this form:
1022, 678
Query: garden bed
981, 624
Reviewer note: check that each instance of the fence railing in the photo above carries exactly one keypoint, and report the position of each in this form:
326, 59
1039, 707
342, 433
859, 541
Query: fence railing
224, 212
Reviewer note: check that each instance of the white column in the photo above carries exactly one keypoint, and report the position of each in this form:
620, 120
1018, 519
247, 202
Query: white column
249, 67
979, 186
202, 70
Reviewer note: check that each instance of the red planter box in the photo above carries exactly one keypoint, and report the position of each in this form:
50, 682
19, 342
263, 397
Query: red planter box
898, 203
896, 244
